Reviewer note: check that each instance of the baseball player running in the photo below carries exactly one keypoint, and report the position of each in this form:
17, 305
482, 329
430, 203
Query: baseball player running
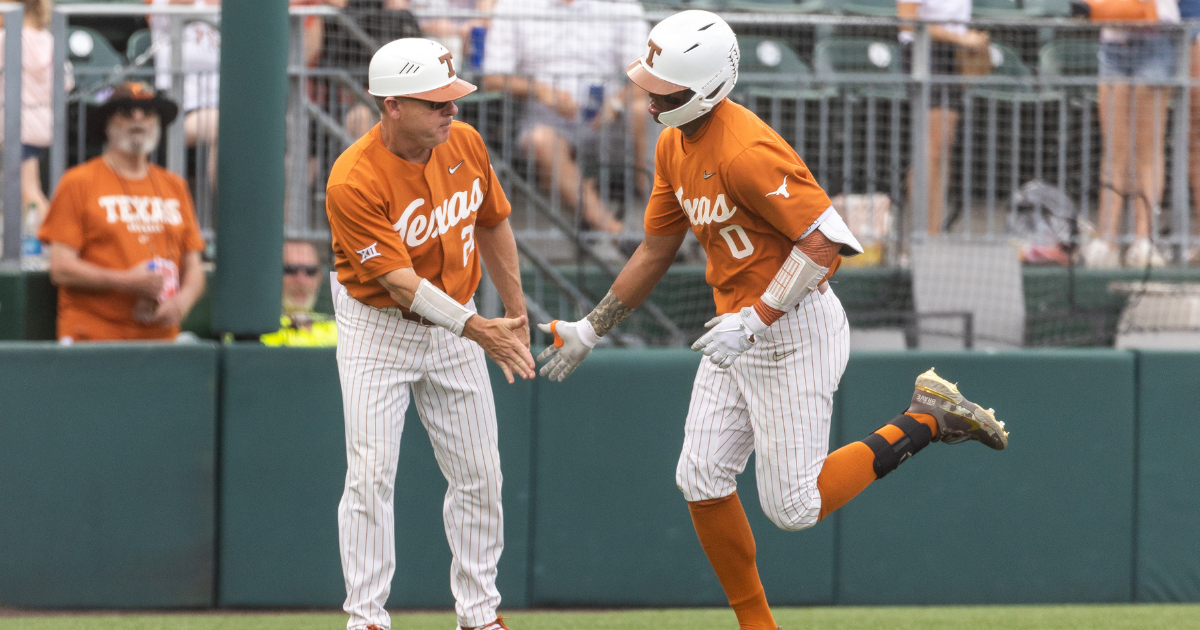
413, 206
779, 345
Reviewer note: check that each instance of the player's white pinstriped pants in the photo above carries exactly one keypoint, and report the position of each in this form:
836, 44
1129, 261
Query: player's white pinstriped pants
775, 400
380, 355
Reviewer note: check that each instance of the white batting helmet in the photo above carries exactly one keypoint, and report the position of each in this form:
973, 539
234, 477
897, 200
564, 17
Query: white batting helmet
692, 50
415, 68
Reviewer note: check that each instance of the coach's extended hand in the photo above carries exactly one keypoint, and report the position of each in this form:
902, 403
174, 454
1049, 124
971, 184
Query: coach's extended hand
501, 340
572, 344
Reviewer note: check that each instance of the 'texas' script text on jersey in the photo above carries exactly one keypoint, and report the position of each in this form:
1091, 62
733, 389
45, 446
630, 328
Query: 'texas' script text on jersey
412, 215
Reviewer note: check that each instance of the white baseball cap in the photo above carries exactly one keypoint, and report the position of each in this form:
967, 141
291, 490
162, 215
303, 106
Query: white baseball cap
415, 68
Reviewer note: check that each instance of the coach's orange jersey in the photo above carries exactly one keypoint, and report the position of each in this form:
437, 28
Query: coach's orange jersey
744, 192
386, 213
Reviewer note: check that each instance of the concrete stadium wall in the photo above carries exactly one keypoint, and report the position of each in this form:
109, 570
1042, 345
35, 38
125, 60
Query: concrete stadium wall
1089, 504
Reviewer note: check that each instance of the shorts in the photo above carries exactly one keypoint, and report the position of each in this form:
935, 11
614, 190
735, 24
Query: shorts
1148, 58
943, 62
594, 148
29, 151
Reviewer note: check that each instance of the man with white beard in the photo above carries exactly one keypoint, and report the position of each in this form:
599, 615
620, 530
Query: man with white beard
124, 243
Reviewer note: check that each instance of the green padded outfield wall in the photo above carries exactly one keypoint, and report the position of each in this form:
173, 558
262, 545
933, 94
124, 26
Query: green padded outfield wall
1050, 519
1168, 551
107, 468
611, 527
283, 465
28, 306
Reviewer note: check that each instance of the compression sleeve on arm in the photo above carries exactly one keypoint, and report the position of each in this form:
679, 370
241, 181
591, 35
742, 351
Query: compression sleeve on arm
433, 304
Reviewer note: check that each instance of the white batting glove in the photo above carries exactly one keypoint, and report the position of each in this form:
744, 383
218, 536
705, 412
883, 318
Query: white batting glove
729, 336
573, 342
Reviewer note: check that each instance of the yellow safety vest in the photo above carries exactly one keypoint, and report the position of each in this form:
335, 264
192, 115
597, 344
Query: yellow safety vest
322, 334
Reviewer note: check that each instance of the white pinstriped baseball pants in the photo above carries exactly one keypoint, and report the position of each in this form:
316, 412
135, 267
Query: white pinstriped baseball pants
380, 356
777, 401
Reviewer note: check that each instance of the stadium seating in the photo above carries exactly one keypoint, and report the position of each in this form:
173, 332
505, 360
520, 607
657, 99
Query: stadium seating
1071, 58
138, 44
789, 6
770, 68
96, 61
886, 8
1006, 62
863, 57
997, 8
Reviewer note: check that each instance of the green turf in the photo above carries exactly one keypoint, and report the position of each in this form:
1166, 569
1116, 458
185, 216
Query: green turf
1115, 617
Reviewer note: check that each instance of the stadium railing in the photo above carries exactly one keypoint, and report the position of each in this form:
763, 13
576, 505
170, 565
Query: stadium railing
10, 125
835, 86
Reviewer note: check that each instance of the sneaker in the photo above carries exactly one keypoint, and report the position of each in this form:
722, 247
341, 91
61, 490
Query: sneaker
1098, 254
498, 624
958, 418
1142, 253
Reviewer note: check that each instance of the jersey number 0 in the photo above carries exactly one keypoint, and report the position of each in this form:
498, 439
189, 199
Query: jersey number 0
739, 250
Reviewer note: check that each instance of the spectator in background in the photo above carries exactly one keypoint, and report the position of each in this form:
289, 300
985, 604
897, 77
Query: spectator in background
950, 40
200, 59
300, 325
37, 117
569, 66
381, 20
200, 56
1190, 10
1147, 54
454, 33
124, 243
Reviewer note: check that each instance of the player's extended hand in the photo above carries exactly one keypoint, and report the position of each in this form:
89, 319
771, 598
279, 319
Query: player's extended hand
730, 335
501, 339
573, 342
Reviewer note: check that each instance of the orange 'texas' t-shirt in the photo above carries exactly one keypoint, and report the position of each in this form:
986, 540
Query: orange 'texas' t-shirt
117, 223
386, 213
745, 193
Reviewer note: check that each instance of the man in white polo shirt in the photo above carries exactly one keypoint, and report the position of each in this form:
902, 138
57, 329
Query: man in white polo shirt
574, 83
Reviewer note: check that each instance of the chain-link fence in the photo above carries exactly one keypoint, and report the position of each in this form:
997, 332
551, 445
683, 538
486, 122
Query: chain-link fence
1069, 139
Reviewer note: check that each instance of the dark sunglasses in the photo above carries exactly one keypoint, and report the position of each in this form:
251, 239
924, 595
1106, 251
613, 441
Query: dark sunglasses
308, 270
128, 109
434, 106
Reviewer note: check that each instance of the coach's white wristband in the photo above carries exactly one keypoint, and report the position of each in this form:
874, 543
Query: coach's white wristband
433, 304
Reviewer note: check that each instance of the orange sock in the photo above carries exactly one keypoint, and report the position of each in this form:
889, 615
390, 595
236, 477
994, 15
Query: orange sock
728, 542
850, 469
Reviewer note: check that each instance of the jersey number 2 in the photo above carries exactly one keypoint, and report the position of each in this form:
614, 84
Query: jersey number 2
739, 251
468, 235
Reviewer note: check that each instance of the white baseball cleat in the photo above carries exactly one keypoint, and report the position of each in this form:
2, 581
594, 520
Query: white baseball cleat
958, 418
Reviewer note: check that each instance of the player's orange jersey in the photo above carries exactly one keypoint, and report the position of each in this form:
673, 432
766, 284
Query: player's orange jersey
745, 193
386, 213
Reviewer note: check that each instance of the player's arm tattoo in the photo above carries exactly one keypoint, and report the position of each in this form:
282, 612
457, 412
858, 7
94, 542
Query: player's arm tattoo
607, 314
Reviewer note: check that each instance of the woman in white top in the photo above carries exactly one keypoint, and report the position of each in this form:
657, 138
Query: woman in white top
948, 33
37, 117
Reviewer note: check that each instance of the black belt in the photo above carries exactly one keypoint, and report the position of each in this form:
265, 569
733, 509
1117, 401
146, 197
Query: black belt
413, 317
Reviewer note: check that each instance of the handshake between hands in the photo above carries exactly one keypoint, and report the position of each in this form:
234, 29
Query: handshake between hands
728, 336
